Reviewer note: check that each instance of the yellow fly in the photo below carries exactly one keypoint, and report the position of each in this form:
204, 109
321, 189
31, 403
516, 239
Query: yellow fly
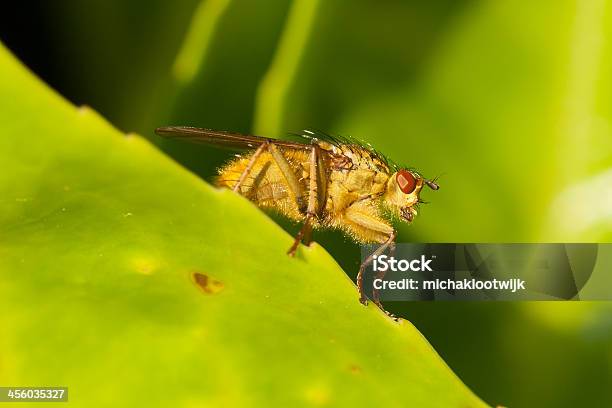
322, 181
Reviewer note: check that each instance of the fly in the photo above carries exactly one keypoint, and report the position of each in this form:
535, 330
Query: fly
321, 180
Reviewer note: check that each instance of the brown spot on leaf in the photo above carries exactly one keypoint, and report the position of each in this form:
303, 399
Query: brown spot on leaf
206, 283
355, 369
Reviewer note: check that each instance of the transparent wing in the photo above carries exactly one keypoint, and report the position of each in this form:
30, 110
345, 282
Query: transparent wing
223, 139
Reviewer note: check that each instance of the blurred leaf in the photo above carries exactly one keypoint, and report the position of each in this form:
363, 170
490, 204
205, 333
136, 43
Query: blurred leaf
117, 55
543, 354
198, 39
273, 89
134, 283
227, 49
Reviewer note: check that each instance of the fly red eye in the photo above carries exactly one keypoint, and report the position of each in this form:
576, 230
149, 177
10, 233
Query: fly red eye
406, 181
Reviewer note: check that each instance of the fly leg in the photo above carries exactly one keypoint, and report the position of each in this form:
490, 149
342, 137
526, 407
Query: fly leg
293, 184
381, 274
249, 167
304, 232
377, 227
295, 188
389, 243
311, 210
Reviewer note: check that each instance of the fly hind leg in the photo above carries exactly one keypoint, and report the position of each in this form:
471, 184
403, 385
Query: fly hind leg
293, 184
247, 170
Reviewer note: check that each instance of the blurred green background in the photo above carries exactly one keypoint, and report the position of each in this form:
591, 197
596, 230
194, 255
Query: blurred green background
509, 101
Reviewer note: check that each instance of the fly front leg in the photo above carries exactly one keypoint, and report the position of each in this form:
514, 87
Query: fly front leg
313, 202
373, 226
389, 243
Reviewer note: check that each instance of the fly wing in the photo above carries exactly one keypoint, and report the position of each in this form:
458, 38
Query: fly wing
222, 138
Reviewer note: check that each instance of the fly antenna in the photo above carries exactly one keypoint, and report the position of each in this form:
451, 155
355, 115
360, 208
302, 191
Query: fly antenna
433, 183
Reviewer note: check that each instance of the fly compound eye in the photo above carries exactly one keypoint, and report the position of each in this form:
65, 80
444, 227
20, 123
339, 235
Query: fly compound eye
406, 181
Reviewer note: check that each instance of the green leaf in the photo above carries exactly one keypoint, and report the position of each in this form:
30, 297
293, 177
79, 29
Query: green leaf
134, 283
135, 56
